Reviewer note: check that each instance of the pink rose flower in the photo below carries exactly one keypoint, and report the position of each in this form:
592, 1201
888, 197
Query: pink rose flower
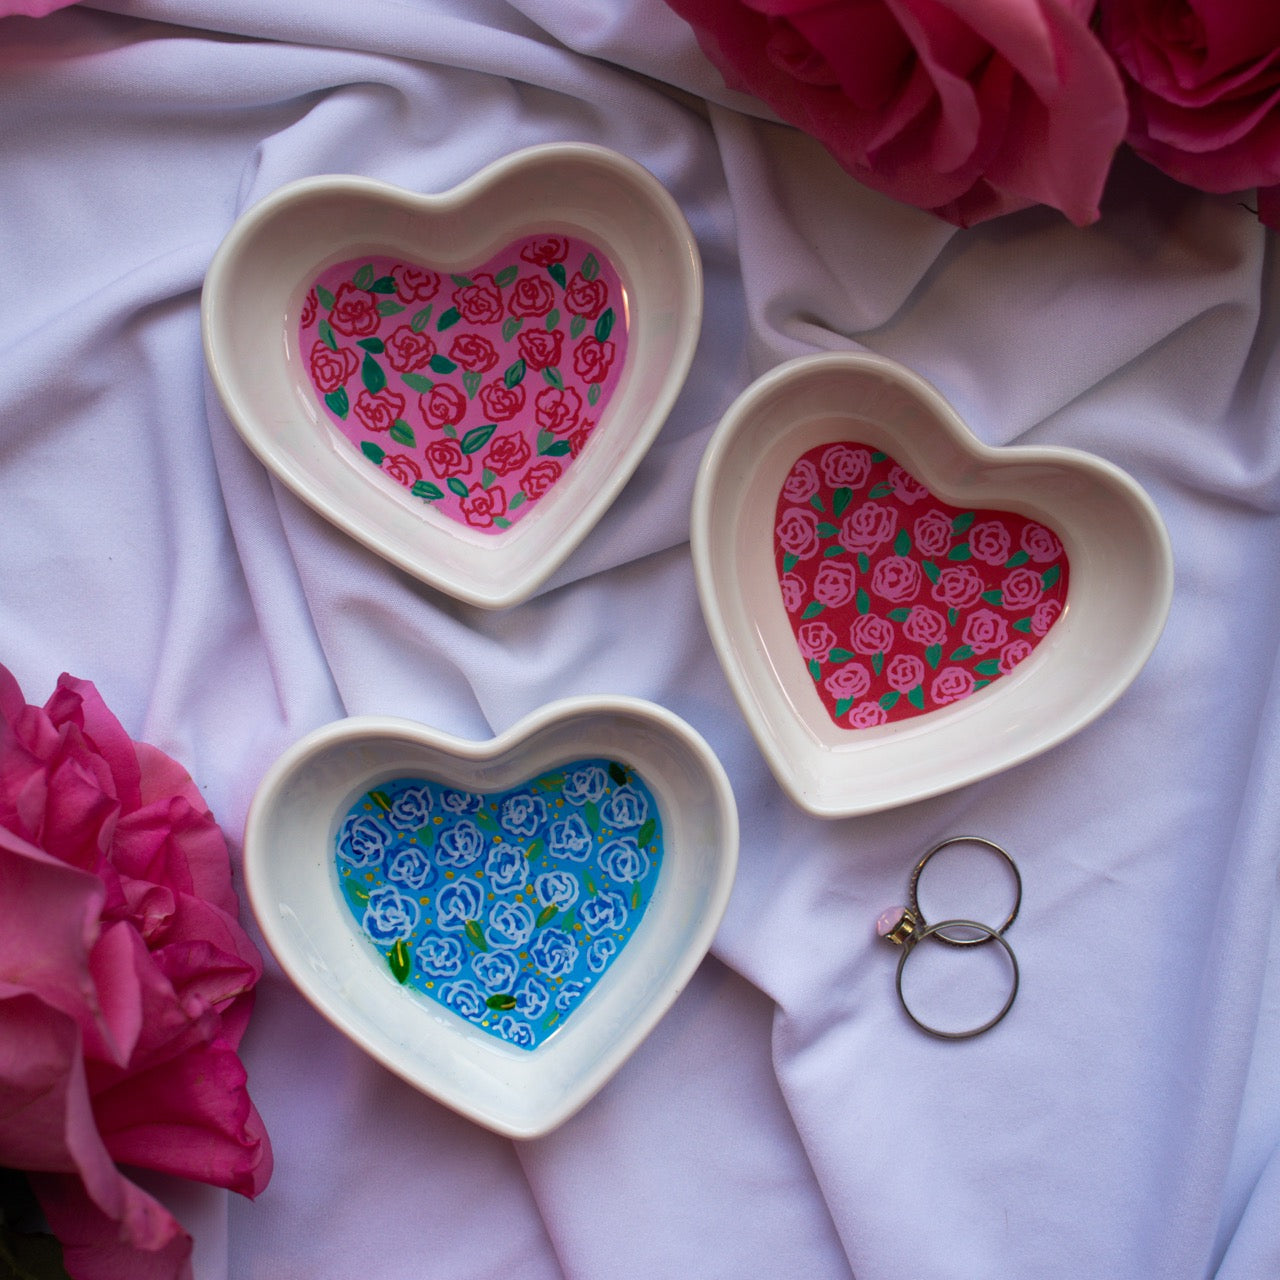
867, 527
801, 482
1021, 589
797, 532
1203, 81
792, 585
984, 630
1041, 544
834, 583
990, 542
950, 685
1044, 616
866, 715
924, 625
969, 109
958, 586
852, 680
870, 634
845, 466
908, 489
816, 639
896, 579
126, 984
932, 533
904, 672
1013, 653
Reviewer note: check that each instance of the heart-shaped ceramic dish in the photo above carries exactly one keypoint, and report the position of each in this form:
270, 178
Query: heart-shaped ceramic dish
1074, 582
503, 354
438, 957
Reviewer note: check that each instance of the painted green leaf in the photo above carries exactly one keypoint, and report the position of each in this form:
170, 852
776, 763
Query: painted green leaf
962, 522
953, 616
881, 491
902, 543
862, 601
864, 565
557, 272
486, 820
1050, 576
840, 500
566, 920
478, 437
450, 431
590, 267
514, 375
402, 433
374, 452
898, 615
358, 892
890, 700
617, 773
448, 319
463, 282
390, 308
372, 375
815, 668
501, 522
471, 382
827, 530
326, 298
475, 934
517, 500
1016, 560
427, 491
960, 552
877, 662
400, 960
933, 655
558, 450
879, 457
338, 402
1023, 624
995, 596
553, 377
421, 318
593, 394
592, 815
842, 706
442, 364
916, 697
458, 486
960, 653
553, 318
635, 895
417, 381
511, 326
576, 326
604, 325
840, 655
535, 848
812, 609
381, 799
789, 562
327, 335
372, 344
502, 1001
988, 667
590, 885
980, 684
383, 284
931, 570
830, 553
364, 277
487, 478
426, 836
646, 832
506, 276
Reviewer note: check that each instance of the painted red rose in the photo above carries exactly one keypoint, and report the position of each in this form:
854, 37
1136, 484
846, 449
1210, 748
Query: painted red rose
445, 458
868, 527
500, 402
443, 405
479, 302
797, 532
852, 680
378, 412
556, 409
896, 579
407, 350
845, 466
401, 467
958, 586
540, 477
354, 312
507, 454
415, 284
801, 482
545, 250
531, 296
592, 359
330, 369
540, 349
950, 685
834, 583
586, 297
309, 305
1021, 589
481, 507
984, 630
473, 351
904, 672
870, 634
925, 626
932, 533
989, 541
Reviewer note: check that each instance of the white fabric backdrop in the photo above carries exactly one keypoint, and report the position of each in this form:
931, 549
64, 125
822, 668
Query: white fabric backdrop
784, 1120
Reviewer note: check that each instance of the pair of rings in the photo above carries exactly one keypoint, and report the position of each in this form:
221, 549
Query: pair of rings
906, 927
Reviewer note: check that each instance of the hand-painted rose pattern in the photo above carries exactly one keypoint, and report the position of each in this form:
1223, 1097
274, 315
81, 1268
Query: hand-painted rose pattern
476, 392
507, 907
901, 604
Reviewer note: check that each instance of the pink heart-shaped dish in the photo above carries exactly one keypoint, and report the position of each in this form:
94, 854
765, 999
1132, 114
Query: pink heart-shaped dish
901, 609
462, 382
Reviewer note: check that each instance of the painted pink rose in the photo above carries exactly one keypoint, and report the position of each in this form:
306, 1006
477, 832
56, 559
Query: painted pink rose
925, 626
330, 369
868, 527
1021, 589
1044, 616
442, 406
126, 984
1203, 81
966, 109
556, 409
903, 672
592, 359
851, 680
407, 350
482, 507
801, 482
479, 302
958, 586
843, 466
1040, 544
378, 412
834, 583
531, 296
585, 297
355, 312
908, 489
473, 351
990, 542
870, 634
950, 685
445, 458
1013, 653
984, 630
507, 454
932, 533
896, 579
500, 402
415, 284
797, 532
401, 467
540, 477
540, 349
866, 715
816, 639
545, 250
793, 591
